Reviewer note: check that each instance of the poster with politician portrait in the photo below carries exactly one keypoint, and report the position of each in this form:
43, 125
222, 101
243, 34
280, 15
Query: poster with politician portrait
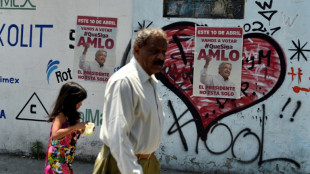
218, 62
94, 53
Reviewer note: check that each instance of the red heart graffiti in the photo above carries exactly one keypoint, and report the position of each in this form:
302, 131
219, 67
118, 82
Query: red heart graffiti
263, 72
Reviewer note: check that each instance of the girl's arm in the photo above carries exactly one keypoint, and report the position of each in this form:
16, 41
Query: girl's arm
58, 132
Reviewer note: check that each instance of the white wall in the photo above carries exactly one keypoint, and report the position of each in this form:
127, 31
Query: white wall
284, 143
27, 61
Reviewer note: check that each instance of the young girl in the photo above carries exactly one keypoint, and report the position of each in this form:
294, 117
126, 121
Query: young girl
65, 129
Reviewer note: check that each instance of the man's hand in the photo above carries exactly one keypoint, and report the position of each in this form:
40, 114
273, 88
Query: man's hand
86, 46
207, 61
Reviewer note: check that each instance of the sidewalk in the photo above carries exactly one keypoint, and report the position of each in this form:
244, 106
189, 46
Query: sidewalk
13, 164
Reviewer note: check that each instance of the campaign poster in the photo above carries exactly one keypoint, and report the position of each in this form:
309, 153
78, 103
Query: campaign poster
94, 53
218, 62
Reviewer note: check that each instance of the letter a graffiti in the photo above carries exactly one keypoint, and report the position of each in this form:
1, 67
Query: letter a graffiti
2, 114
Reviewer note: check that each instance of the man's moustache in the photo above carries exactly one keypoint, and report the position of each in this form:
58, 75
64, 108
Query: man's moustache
159, 62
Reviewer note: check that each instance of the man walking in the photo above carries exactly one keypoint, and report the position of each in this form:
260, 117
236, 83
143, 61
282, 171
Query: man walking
132, 120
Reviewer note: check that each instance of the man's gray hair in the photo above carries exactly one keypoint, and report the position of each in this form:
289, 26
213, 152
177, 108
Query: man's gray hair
224, 63
100, 50
145, 33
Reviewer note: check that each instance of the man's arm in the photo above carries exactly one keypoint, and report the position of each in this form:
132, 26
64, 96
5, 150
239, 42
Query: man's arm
203, 73
83, 64
119, 113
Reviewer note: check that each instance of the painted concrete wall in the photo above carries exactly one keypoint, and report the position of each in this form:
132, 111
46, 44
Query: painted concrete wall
266, 131
34, 32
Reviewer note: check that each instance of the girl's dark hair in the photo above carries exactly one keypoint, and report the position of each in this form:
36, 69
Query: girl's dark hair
70, 94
